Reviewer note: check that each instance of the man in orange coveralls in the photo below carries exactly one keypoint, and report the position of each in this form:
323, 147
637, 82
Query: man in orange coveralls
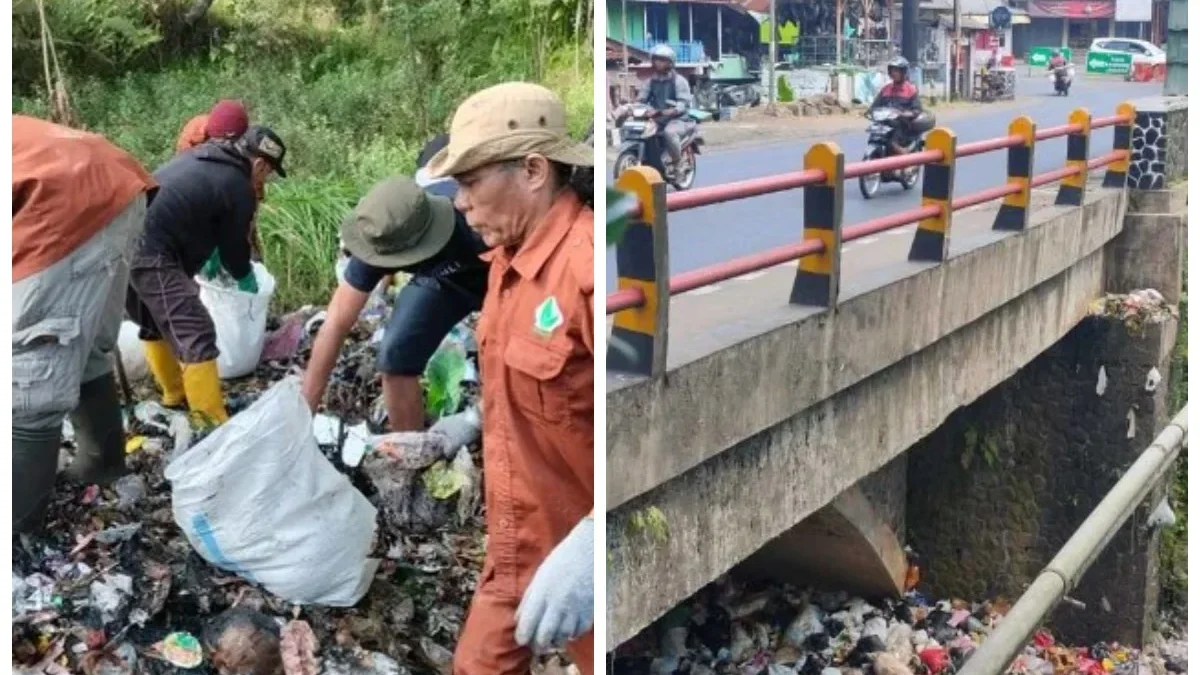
227, 120
79, 206
513, 160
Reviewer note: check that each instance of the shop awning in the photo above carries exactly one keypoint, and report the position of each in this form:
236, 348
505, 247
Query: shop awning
1071, 9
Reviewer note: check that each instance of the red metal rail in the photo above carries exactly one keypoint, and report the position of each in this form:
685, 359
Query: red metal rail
630, 298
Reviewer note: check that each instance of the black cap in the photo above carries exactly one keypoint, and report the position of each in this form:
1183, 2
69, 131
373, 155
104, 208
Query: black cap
262, 142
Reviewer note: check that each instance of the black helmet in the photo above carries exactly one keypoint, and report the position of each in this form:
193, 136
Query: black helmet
899, 63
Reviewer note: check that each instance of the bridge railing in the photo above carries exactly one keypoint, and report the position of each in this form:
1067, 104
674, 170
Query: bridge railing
1065, 570
645, 284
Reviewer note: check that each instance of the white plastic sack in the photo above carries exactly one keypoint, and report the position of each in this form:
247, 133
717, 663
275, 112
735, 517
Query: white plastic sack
257, 498
133, 357
241, 321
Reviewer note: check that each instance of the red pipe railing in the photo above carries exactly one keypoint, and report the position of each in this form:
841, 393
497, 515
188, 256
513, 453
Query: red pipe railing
630, 298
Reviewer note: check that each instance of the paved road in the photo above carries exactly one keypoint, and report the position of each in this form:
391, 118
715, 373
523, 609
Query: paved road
718, 233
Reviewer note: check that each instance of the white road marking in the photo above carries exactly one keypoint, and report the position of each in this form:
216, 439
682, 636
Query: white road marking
866, 240
751, 276
704, 290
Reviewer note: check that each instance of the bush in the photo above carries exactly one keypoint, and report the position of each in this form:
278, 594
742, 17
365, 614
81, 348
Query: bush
784, 91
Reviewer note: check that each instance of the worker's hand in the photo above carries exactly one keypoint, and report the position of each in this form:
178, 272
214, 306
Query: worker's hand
212, 266
559, 601
248, 284
459, 430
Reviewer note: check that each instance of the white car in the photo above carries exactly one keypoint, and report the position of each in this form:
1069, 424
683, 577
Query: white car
1142, 51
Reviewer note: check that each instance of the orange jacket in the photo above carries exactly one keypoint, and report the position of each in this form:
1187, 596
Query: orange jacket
537, 359
67, 186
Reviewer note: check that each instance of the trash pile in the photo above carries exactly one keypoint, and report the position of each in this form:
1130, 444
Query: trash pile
113, 586
1137, 309
731, 629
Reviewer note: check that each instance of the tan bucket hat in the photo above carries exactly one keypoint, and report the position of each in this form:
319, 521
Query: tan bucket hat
397, 224
508, 121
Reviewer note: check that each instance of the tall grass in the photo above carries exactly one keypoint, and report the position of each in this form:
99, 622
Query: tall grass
353, 102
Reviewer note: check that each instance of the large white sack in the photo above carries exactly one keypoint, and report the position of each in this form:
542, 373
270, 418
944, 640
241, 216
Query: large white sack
133, 357
257, 498
241, 321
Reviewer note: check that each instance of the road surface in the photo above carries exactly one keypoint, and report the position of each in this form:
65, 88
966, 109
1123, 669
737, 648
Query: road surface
715, 234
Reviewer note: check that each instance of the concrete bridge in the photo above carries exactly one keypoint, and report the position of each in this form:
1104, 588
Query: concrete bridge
948, 404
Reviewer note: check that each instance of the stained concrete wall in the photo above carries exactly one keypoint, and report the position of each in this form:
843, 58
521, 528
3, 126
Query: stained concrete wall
880, 373
1007, 480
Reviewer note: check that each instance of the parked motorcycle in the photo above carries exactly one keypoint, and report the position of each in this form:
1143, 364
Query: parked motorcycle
1062, 78
885, 125
642, 143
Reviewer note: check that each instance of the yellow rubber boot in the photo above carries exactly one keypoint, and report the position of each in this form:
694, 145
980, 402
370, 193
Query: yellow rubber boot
165, 369
203, 387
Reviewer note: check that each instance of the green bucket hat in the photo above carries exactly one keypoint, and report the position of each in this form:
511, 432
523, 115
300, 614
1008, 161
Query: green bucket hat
397, 224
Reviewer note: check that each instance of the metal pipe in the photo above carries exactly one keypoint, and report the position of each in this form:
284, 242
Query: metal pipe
1078, 554
989, 145
1055, 132
984, 196
1053, 176
715, 194
876, 225
626, 298
856, 169
706, 276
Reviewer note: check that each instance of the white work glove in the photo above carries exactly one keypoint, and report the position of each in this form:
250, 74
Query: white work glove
558, 604
458, 429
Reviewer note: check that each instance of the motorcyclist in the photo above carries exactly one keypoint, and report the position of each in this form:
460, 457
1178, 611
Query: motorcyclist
901, 95
667, 91
1057, 61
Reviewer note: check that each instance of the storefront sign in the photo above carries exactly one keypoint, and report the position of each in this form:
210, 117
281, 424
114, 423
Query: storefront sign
1071, 9
1134, 10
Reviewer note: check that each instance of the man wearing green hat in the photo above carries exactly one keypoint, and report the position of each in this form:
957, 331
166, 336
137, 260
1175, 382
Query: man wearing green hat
398, 227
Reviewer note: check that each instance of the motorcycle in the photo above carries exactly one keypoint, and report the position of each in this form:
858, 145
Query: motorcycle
885, 123
642, 144
1062, 78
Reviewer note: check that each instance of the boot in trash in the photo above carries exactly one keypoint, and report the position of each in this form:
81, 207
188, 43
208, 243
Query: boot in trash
99, 433
166, 371
203, 387
35, 465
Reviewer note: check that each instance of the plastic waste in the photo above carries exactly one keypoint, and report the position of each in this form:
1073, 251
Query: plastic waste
1163, 516
130, 490
133, 357
240, 319
1152, 379
257, 498
1102, 382
181, 650
109, 594
298, 649
808, 623
243, 641
117, 534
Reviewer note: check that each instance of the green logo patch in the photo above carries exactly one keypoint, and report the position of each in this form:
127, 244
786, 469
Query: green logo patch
547, 316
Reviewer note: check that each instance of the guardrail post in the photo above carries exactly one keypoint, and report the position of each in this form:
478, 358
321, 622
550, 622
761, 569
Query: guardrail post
818, 276
931, 243
1072, 188
641, 332
1118, 171
1013, 215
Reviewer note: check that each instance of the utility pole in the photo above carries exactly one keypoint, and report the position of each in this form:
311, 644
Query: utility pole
771, 64
908, 30
838, 33
956, 53
1176, 84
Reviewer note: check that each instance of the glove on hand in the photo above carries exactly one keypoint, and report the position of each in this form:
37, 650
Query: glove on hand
248, 284
459, 429
558, 603
212, 266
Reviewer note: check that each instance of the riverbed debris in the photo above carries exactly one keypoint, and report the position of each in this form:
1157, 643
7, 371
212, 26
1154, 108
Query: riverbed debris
813, 632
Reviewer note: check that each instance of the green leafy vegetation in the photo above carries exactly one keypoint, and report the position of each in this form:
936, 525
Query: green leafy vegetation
443, 382
785, 93
649, 522
354, 87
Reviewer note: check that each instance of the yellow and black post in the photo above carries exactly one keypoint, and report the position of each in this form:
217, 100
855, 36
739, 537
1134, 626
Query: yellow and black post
639, 336
932, 240
1118, 171
1013, 215
817, 277
1071, 189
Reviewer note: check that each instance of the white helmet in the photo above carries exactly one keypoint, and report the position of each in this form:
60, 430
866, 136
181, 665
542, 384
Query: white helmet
663, 52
